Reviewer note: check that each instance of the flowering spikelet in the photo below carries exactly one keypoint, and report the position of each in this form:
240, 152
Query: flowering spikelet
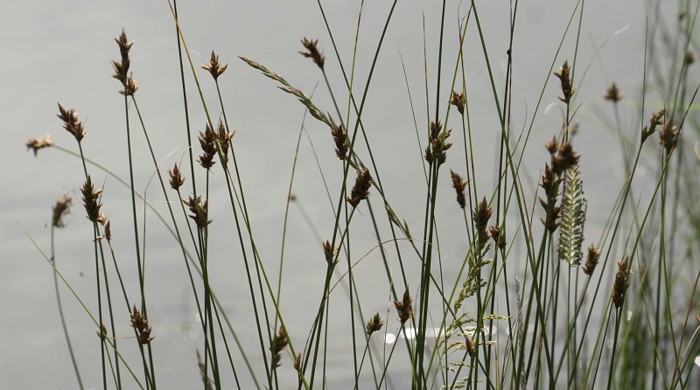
458, 101
208, 383
223, 137
214, 67
498, 237
176, 178
668, 136
199, 211
71, 122
360, 190
374, 324
591, 260
564, 76
91, 201
312, 52
61, 209
121, 68
140, 323
550, 183
328, 251
613, 94
340, 137
39, 143
206, 141
459, 184
404, 308
481, 215
654, 122
437, 145
564, 159
278, 344
621, 283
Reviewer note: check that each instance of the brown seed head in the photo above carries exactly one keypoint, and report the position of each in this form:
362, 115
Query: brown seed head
668, 136
360, 190
199, 211
481, 215
498, 237
108, 230
71, 122
206, 141
458, 101
278, 344
565, 159
374, 324
437, 145
458, 183
91, 201
404, 308
214, 67
329, 252
312, 52
39, 143
340, 137
102, 333
176, 178
564, 76
552, 145
121, 68
613, 94
654, 122
140, 323
60, 210
591, 260
223, 137
621, 283
689, 58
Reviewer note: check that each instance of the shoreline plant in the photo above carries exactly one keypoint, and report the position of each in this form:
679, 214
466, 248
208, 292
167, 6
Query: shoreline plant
524, 307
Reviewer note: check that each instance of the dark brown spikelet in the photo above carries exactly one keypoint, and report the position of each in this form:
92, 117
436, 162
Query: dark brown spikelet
689, 58
374, 324
613, 94
621, 283
91, 201
121, 67
458, 183
312, 52
469, 345
140, 323
208, 383
278, 344
564, 159
550, 183
498, 237
591, 260
458, 101
328, 251
654, 122
39, 143
108, 230
102, 333
437, 145
668, 136
404, 307
71, 122
223, 137
360, 190
214, 67
340, 137
176, 178
564, 76
60, 210
199, 211
481, 215
207, 141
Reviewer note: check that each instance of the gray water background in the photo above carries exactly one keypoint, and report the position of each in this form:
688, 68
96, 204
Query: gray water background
61, 52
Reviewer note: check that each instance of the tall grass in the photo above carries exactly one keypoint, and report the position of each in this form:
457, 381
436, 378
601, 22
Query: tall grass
525, 305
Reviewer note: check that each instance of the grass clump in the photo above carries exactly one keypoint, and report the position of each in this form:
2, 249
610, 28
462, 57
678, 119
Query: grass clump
520, 307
